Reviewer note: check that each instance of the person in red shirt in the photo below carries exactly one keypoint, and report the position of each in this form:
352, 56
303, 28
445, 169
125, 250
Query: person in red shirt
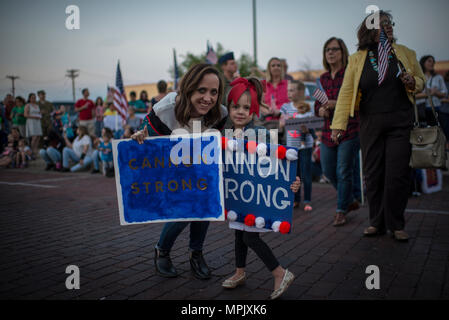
86, 112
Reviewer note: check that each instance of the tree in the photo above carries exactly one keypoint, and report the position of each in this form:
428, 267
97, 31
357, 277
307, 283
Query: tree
245, 62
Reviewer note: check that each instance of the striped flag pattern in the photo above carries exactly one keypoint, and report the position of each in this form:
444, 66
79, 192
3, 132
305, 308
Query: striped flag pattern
211, 57
320, 96
383, 50
118, 93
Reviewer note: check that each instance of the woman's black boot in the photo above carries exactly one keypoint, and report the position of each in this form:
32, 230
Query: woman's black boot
164, 266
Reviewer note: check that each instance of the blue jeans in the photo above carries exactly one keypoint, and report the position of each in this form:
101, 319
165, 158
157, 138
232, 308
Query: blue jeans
171, 230
338, 165
51, 155
98, 127
304, 172
68, 154
96, 159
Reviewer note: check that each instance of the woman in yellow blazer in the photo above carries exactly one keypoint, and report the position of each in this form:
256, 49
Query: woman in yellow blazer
386, 118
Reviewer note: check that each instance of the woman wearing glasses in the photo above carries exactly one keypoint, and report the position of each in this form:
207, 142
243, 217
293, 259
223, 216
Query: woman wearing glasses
338, 160
382, 87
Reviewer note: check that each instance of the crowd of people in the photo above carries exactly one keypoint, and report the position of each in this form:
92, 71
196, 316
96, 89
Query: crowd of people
363, 112
66, 141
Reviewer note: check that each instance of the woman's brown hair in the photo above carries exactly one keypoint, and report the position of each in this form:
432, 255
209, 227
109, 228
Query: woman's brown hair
344, 53
188, 85
83, 131
368, 37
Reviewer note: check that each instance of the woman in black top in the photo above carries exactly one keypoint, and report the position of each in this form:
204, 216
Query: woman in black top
386, 117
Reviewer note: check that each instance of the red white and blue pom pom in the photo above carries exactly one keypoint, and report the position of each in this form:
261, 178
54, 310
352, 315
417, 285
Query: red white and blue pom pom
251, 146
261, 149
232, 144
284, 227
224, 142
250, 220
232, 215
260, 222
275, 226
280, 152
291, 154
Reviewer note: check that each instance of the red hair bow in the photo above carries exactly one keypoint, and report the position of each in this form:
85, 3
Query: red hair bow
239, 86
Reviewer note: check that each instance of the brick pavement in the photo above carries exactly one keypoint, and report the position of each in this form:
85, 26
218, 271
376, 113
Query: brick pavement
72, 219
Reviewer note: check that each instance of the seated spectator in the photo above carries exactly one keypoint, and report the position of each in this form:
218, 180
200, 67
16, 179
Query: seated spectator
139, 105
128, 132
23, 154
52, 150
144, 99
110, 110
162, 92
80, 151
8, 156
16, 136
133, 121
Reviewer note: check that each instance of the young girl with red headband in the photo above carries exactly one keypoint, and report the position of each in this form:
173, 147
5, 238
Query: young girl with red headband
244, 100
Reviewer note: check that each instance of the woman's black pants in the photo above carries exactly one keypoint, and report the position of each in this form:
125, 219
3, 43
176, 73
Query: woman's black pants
386, 150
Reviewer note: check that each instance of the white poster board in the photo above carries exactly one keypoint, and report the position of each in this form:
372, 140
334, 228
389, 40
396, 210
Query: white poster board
432, 180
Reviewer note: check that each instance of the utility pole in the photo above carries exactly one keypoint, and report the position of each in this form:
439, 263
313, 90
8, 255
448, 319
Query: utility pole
254, 32
13, 78
72, 74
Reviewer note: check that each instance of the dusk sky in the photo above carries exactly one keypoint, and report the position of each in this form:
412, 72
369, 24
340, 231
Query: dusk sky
37, 47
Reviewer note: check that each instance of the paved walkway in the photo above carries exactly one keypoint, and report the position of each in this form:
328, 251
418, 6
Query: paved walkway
51, 220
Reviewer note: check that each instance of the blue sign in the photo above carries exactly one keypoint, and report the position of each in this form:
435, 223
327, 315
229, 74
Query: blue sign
259, 185
169, 179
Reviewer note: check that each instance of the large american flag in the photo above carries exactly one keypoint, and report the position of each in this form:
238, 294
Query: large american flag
384, 49
118, 93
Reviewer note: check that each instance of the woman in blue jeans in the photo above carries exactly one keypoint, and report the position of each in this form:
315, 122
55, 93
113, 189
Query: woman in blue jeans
198, 99
80, 151
338, 161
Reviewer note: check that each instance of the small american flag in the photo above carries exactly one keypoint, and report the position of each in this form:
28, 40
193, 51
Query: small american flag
118, 93
211, 57
384, 49
320, 96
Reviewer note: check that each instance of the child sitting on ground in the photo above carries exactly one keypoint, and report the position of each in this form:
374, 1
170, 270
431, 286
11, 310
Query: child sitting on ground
23, 154
8, 156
